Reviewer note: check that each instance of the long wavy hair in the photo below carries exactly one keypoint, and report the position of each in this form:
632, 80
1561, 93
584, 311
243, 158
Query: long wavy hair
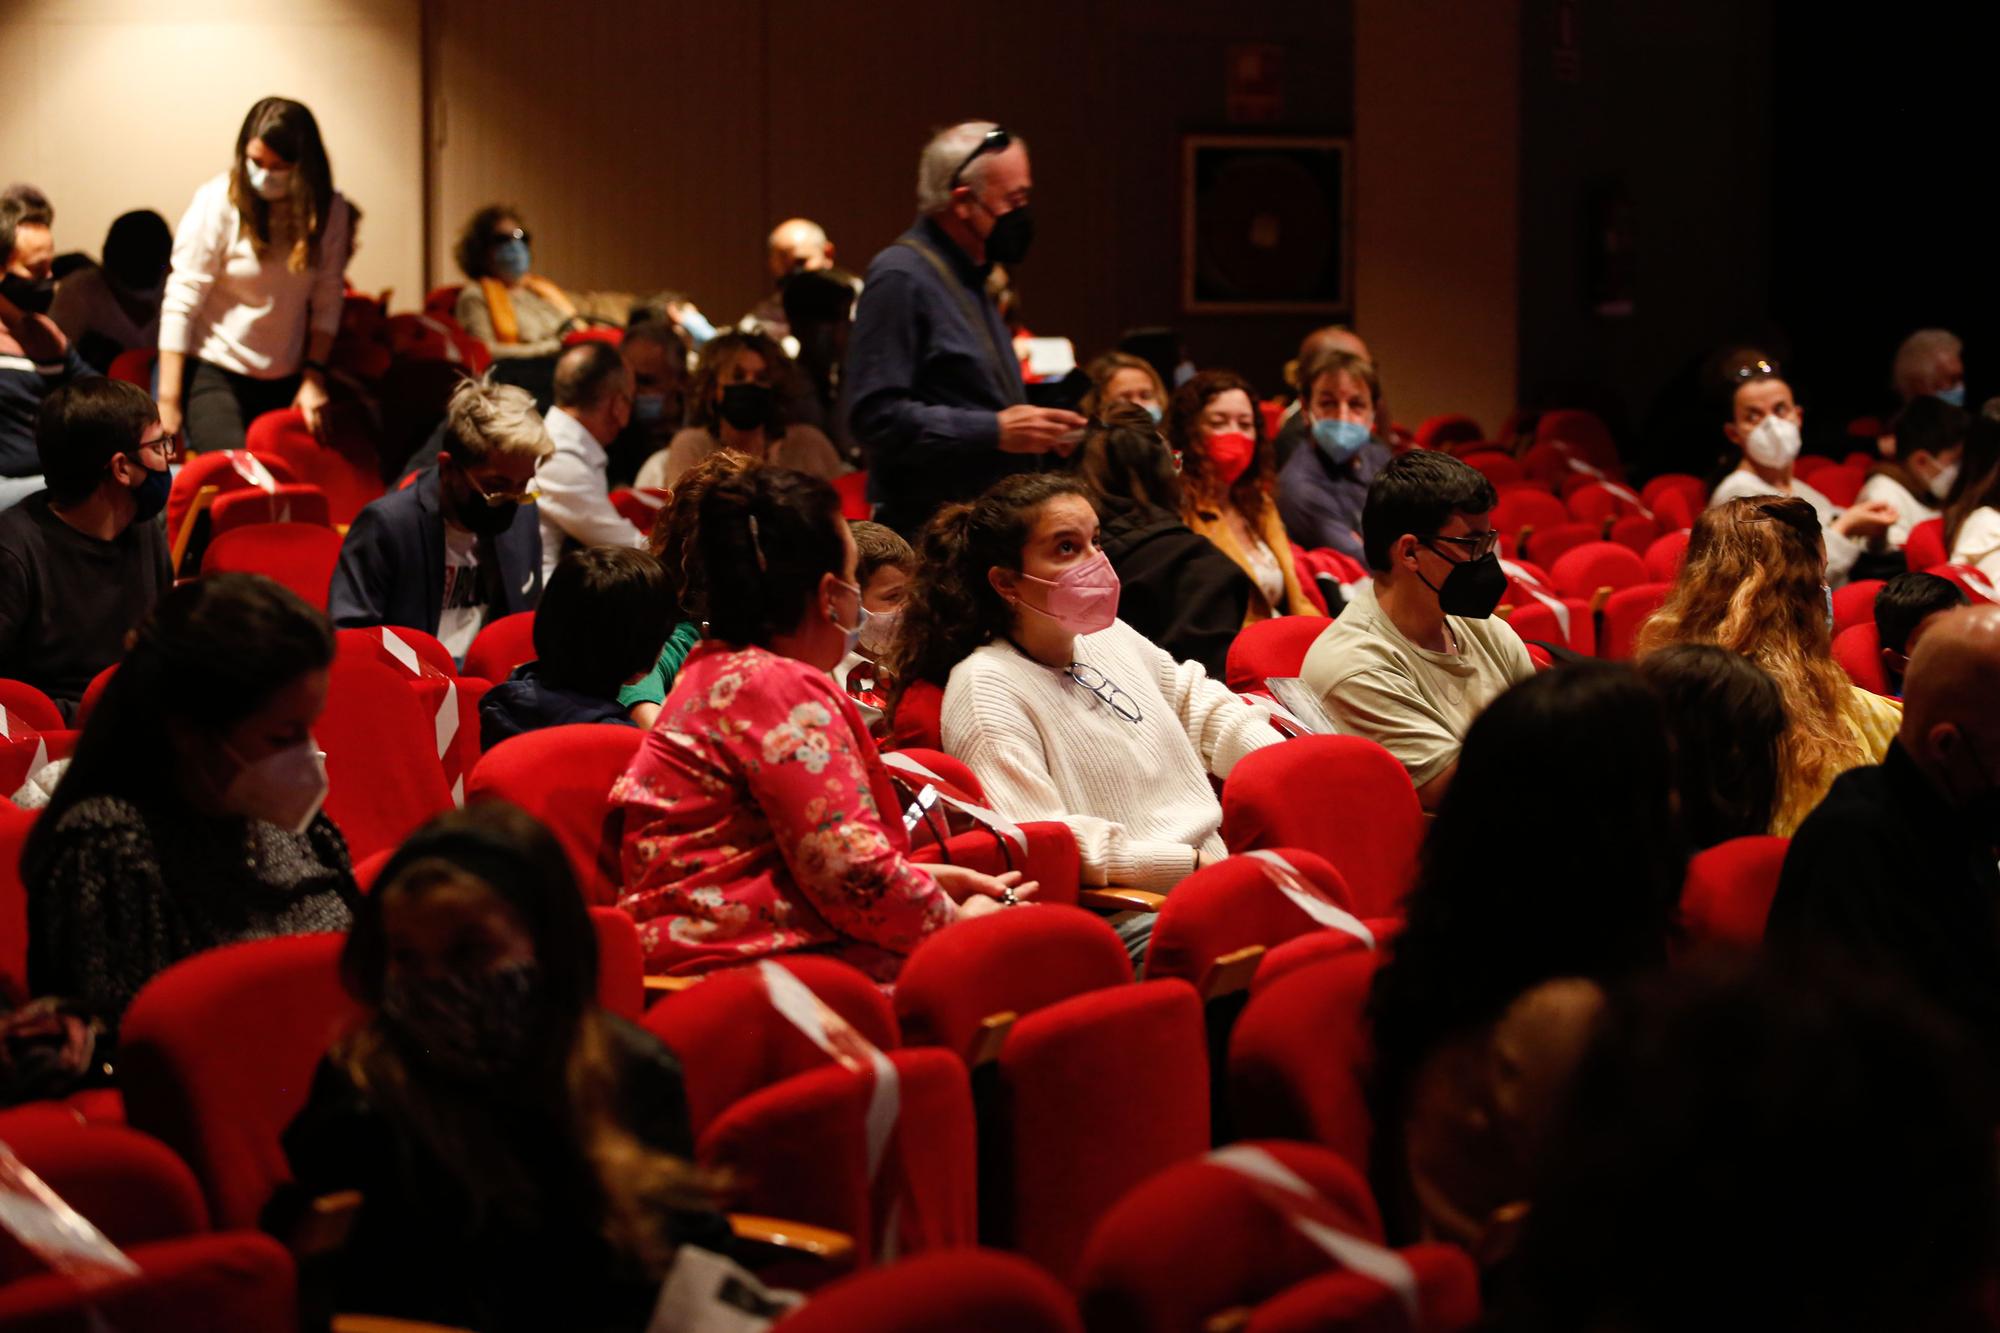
1251, 493
571, 1078
1978, 484
717, 355
951, 607
1753, 583
289, 130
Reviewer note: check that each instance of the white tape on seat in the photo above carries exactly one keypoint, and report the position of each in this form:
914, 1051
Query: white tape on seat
1597, 474
54, 1232
1305, 895
1281, 1186
992, 819
445, 724
1533, 587
6, 731
251, 468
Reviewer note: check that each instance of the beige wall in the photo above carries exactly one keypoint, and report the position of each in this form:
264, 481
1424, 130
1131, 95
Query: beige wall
1436, 191
121, 104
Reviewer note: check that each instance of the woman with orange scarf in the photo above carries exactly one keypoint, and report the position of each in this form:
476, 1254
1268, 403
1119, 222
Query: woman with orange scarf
513, 310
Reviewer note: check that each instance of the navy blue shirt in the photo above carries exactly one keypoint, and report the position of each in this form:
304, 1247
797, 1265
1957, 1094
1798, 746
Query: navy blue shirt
35, 361
1320, 500
924, 379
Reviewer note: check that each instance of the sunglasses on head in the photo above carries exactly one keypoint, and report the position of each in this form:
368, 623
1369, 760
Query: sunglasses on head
996, 141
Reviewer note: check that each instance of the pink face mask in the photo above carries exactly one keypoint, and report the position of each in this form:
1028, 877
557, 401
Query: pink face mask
1083, 599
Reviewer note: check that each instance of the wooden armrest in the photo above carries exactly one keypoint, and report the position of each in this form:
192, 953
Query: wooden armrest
324, 1226
834, 1247
667, 985
1505, 610
1228, 1321
375, 1323
1609, 519
203, 498
993, 1030
1231, 972
1521, 537
1598, 599
1113, 899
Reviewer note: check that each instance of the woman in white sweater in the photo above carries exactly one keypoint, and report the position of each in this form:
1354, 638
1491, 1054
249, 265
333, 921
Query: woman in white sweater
253, 301
1764, 423
1063, 711
1972, 512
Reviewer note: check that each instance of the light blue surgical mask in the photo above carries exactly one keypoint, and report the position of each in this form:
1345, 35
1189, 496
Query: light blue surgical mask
1827, 588
1955, 395
511, 258
1153, 411
1339, 440
697, 325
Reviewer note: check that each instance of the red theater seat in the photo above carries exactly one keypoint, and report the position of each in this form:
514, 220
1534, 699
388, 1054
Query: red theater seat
1729, 889
501, 646
964, 1291
301, 556
1858, 649
1274, 647
562, 776
1342, 797
1300, 1056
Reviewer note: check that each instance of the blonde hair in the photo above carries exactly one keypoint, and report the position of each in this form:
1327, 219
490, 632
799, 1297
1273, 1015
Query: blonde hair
1752, 583
486, 419
1105, 368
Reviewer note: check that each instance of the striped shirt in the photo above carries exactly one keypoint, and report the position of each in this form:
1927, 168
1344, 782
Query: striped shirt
35, 361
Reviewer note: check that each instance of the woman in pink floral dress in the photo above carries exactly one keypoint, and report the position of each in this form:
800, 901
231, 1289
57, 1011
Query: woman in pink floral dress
758, 816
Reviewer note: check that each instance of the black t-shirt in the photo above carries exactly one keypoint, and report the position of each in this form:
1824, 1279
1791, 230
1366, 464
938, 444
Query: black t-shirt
67, 600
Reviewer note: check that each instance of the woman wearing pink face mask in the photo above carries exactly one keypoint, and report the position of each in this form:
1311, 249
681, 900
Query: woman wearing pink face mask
1062, 710
1228, 477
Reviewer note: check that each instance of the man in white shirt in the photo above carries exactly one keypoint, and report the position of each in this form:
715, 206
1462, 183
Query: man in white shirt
593, 392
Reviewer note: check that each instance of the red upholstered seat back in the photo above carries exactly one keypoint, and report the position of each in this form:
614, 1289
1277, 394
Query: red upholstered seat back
217, 1053
1018, 962
1342, 797
1840, 483
1594, 502
240, 1280
344, 460
301, 556
1200, 1238
1663, 557
1234, 904
227, 470
1625, 611
966, 1291
1527, 507
381, 756
1447, 1299
1305, 950
853, 490
1581, 435
1925, 545
129, 1185
503, 645
370, 645
293, 502
1548, 545
621, 964
919, 718
1727, 897
563, 776
731, 1042
1134, 1056
22, 704
1447, 429
1498, 467
1300, 1055
1581, 571
1274, 647
1858, 649
1684, 484
15, 824
1854, 604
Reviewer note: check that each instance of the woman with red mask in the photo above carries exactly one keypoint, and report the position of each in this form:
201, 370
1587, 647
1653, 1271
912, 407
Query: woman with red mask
1228, 477
1063, 711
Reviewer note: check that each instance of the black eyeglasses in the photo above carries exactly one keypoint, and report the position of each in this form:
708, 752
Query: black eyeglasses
996, 141
1477, 547
168, 445
1106, 689
502, 237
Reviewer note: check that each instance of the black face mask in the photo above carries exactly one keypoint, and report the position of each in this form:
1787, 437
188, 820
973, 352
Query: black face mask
1472, 589
1013, 232
748, 406
32, 295
469, 510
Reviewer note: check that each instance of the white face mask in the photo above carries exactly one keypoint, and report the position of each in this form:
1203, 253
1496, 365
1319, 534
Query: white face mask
878, 631
286, 788
1773, 444
1941, 484
268, 184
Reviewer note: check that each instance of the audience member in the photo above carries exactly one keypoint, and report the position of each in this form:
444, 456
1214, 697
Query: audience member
1905, 607
656, 352
83, 562
796, 245
253, 302
1726, 719
1119, 378
1930, 362
35, 358
1063, 711
462, 544
883, 567
759, 818
1174, 586
593, 405
1764, 423
1321, 490
190, 816
1754, 581
515, 311
603, 619
114, 307
1930, 437
1293, 430
1742, 1154
1486, 1001
1896, 866
934, 392
1227, 480
1411, 662
734, 404
521, 1154
1972, 512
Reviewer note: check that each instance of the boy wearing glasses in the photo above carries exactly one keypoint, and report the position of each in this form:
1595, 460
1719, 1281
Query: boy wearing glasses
82, 562
461, 545
1416, 655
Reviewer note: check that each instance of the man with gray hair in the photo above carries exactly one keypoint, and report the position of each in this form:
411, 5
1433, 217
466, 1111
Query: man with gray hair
1931, 361
462, 544
934, 391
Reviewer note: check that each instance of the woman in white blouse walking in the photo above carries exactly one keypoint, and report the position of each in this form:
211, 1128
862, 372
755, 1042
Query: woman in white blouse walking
254, 298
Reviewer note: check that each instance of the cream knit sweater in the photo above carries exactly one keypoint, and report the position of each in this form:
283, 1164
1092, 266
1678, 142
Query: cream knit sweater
1136, 795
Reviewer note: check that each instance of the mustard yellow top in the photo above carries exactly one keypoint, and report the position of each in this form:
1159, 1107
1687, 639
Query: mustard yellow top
1212, 524
1874, 721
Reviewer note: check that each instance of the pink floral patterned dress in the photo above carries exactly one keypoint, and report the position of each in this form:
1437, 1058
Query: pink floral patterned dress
759, 819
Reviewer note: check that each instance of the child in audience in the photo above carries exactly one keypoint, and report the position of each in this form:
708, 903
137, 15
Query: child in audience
1726, 718
1489, 993
1062, 710
1972, 514
1930, 437
599, 628
1755, 581
759, 818
521, 1154
883, 565
190, 815
1903, 608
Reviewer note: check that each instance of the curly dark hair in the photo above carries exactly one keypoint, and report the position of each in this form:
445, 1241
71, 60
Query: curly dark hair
763, 539
1251, 493
471, 250
715, 357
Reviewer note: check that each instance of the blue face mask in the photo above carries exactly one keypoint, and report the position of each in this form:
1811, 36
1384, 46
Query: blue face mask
1153, 411
1339, 440
1955, 395
1828, 590
511, 259
649, 408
